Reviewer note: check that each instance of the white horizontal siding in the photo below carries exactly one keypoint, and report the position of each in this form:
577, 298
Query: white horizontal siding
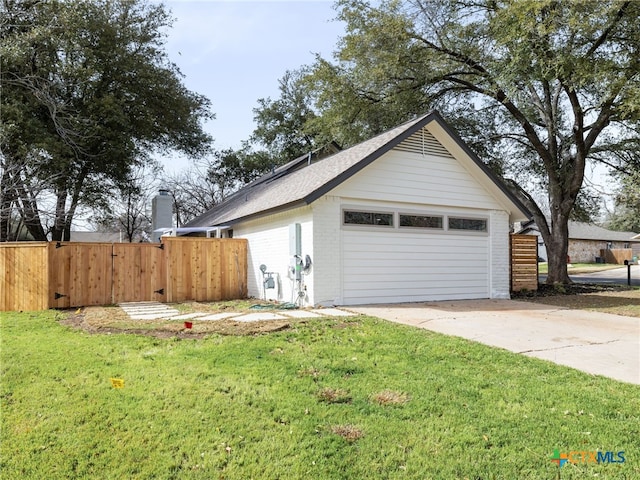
388, 267
407, 177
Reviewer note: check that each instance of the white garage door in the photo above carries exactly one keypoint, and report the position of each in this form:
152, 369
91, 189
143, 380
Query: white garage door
392, 266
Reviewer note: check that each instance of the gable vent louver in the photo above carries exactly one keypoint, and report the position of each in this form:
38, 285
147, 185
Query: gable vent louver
423, 143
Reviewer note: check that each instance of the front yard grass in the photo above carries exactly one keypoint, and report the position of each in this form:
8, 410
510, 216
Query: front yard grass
325, 398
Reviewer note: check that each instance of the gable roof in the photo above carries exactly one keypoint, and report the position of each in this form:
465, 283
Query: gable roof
295, 184
588, 231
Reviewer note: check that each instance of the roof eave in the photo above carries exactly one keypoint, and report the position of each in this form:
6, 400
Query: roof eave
348, 173
433, 116
264, 213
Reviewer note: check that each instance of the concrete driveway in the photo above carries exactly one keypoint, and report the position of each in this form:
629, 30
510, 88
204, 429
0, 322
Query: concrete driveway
597, 343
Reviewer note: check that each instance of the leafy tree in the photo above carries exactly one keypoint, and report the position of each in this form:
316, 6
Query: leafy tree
626, 216
284, 126
543, 87
587, 207
88, 94
285, 130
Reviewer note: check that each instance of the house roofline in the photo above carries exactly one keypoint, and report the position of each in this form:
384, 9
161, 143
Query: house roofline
606, 239
358, 166
265, 213
483, 166
369, 159
433, 116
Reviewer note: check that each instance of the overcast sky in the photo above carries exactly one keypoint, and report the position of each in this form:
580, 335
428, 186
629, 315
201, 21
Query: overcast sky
234, 52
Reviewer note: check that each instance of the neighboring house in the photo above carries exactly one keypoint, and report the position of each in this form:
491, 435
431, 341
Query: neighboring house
586, 241
409, 215
108, 237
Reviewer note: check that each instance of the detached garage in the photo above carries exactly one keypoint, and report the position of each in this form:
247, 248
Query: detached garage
409, 215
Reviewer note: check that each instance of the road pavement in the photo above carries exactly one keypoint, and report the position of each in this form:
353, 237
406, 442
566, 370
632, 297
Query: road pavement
616, 276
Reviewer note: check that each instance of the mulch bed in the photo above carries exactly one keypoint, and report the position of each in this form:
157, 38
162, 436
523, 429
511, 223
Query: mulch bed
86, 320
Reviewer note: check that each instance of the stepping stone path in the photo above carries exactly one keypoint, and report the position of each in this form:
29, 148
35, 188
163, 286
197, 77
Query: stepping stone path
301, 314
333, 312
160, 311
189, 316
148, 310
219, 316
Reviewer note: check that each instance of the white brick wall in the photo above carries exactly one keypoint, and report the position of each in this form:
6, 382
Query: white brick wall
499, 254
327, 253
269, 245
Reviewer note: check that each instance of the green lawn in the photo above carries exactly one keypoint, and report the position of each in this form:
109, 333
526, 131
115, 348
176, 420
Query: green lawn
325, 399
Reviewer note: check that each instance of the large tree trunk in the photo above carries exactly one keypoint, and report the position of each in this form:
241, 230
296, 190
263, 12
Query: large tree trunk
557, 243
57, 232
66, 236
555, 234
29, 211
64, 217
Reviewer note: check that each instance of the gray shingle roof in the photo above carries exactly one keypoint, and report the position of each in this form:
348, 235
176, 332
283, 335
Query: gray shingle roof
587, 231
288, 186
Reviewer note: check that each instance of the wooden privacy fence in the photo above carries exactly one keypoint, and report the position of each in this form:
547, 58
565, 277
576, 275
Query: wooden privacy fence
524, 262
41, 275
24, 281
616, 255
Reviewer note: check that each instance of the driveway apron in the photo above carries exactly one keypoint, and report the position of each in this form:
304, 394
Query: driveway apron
596, 343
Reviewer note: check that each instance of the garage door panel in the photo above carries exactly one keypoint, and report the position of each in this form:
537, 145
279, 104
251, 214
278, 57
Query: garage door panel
392, 293
389, 267
401, 252
415, 295
415, 274
421, 243
414, 282
413, 259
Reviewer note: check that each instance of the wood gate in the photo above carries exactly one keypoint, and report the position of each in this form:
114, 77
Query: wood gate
105, 273
524, 262
139, 272
176, 270
80, 274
